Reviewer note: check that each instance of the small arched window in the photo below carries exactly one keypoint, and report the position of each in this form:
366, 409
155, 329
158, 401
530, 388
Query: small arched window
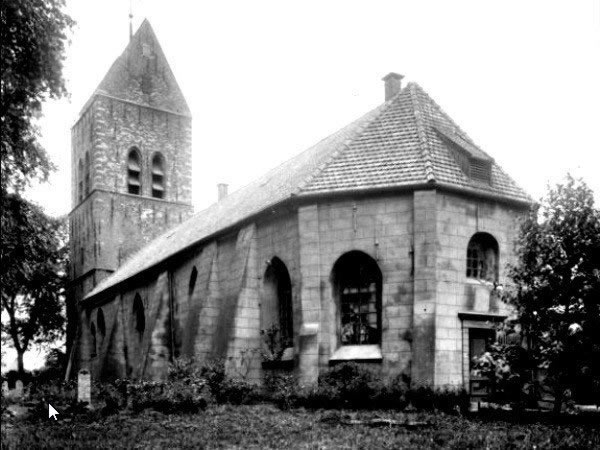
158, 176
139, 319
482, 257
134, 172
357, 284
80, 179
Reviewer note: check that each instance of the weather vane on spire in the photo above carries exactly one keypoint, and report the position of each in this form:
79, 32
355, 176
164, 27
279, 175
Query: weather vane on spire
130, 19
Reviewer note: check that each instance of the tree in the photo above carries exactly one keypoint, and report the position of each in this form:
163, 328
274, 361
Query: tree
33, 262
556, 287
33, 39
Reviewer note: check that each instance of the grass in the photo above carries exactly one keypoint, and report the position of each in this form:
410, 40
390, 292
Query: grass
264, 426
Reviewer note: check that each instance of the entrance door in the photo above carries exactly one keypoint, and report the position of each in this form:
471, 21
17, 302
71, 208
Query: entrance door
479, 339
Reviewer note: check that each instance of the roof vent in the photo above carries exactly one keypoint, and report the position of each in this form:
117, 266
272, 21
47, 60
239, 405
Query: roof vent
393, 84
222, 191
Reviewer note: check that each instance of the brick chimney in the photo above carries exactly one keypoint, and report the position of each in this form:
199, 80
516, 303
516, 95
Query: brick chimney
222, 190
393, 84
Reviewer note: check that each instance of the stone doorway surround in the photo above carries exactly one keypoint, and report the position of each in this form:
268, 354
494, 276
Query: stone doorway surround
474, 320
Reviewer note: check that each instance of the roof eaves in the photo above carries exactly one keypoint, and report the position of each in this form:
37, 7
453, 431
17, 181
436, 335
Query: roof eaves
449, 187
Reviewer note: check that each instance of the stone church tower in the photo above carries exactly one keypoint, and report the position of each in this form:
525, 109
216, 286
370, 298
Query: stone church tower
131, 163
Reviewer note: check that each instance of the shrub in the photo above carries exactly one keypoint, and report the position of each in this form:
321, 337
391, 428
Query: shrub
319, 397
282, 389
213, 372
166, 396
357, 386
442, 399
236, 391
187, 370
392, 393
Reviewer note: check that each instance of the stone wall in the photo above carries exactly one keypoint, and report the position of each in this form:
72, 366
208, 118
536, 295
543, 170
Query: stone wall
207, 303
458, 218
380, 227
214, 313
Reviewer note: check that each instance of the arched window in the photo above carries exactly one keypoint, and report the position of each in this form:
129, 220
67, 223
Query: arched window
94, 344
87, 173
482, 257
134, 172
80, 179
158, 176
101, 325
192, 285
357, 287
277, 310
139, 319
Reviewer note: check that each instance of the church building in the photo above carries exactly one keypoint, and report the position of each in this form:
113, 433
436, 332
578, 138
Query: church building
386, 243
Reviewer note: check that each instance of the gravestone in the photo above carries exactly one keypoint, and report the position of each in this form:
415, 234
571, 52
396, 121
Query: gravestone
19, 388
84, 392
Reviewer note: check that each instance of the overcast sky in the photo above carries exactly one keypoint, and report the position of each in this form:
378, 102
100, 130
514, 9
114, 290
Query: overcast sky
267, 79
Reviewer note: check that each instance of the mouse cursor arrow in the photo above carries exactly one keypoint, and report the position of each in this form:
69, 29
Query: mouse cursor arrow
52, 412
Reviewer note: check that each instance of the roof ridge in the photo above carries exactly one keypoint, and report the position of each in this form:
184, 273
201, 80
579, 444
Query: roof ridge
423, 141
346, 144
458, 130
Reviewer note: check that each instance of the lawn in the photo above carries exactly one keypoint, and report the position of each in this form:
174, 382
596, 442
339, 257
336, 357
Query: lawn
265, 426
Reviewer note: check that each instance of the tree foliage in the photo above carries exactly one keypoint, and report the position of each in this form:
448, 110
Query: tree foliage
33, 36
33, 262
556, 287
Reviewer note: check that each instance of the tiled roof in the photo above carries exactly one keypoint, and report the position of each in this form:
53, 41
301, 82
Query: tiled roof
142, 75
397, 144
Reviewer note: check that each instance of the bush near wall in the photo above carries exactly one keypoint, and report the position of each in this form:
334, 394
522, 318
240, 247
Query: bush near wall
190, 387
353, 386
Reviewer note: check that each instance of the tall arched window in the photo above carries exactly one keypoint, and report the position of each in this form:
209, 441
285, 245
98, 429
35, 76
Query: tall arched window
80, 179
139, 318
87, 173
134, 172
482, 257
357, 287
94, 344
277, 307
101, 325
192, 285
158, 176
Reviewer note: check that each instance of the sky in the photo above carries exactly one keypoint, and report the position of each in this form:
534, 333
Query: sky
267, 79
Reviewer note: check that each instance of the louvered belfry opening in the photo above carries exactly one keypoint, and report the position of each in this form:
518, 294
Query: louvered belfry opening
158, 176
134, 172
481, 170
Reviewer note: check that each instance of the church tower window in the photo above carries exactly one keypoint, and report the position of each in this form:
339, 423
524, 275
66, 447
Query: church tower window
158, 176
87, 173
80, 180
134, 172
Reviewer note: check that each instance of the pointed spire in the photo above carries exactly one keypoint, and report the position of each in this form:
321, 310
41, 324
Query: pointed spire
142, 75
